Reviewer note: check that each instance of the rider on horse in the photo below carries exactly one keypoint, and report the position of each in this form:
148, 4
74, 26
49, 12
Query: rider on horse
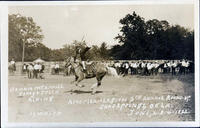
80, 55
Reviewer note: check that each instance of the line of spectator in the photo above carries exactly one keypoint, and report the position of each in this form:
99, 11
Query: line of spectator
152, 68
34, 70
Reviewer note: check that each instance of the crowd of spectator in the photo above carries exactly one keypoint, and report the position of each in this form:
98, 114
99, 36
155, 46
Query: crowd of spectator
142, 67
33, 70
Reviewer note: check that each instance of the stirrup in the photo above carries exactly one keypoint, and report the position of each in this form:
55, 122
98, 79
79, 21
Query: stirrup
84, 70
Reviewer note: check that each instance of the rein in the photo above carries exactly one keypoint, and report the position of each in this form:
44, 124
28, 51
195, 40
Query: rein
74, 64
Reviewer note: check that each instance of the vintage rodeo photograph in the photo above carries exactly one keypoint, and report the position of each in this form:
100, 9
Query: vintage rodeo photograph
92, 63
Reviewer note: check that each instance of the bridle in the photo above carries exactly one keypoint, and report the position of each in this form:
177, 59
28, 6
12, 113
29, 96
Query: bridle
69, 62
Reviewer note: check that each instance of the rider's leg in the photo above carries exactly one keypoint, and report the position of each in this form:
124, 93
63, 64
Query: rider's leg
83, 63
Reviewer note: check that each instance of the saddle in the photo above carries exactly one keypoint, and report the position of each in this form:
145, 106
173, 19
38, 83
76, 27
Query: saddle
90, 69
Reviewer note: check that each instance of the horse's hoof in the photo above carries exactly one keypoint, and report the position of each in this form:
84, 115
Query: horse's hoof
93, 92
71, 91
81, 86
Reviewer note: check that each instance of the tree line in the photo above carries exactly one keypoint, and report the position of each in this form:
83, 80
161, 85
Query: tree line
138, 39
152, 39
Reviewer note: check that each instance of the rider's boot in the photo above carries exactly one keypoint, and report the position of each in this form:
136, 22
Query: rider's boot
85, 71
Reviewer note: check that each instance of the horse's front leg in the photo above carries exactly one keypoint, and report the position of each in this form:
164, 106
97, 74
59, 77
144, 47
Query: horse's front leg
76, 78
96, 85
78, 81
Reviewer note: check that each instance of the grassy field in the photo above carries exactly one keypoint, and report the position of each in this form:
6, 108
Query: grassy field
124, 99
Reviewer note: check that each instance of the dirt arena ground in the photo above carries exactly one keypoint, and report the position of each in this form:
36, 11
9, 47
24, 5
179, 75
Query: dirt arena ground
60, 104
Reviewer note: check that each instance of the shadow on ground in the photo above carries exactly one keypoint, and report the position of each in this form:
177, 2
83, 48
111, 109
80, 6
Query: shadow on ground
81, 91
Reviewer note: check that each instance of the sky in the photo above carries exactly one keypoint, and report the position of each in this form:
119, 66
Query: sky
97, 23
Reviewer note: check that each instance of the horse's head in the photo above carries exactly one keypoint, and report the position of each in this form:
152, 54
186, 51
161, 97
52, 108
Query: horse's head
69, 61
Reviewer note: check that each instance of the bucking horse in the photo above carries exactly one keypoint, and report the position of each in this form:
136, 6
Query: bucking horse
95, 69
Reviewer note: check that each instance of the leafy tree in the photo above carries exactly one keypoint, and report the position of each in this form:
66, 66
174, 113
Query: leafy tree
152, 39
103, 51
57, 55
68, 50
39, 50
22, 30
132, 37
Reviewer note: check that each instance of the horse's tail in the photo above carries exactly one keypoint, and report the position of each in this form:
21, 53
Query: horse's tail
112, 71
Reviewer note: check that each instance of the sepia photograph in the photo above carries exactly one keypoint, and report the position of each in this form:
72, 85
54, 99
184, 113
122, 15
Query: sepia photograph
101, 62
